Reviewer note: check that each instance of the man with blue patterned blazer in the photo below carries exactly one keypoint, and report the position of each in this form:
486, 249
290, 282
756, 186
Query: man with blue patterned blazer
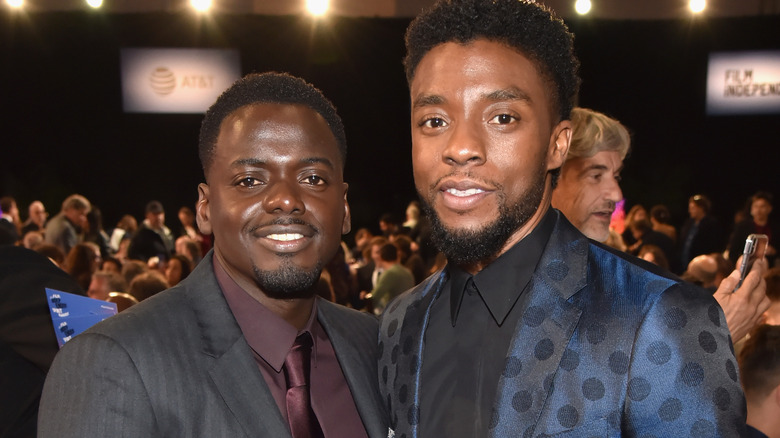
532, 329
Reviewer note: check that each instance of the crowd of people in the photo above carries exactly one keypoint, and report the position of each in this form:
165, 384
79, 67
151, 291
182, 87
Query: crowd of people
509, 301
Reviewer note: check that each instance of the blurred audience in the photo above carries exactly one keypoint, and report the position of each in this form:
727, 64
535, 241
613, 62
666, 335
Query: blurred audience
661, 219
36, 218
654, 254
147, 284
9, 221
64, 230
104, 282
81, 262
701, 233
153, 238
760, 207
177, 269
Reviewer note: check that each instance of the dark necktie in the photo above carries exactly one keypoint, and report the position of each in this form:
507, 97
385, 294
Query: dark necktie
303, 422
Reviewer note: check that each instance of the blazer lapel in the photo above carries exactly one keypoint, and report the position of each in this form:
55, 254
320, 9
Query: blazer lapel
399, 368
543, 332
233, 369
357, 355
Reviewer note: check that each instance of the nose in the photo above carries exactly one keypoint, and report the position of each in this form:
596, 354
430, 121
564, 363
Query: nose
612, 190
283, 197
465, 145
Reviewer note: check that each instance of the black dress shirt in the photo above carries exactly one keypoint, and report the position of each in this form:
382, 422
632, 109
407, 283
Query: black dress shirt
471, 326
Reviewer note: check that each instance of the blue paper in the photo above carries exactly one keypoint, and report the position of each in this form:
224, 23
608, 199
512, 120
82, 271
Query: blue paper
72, 314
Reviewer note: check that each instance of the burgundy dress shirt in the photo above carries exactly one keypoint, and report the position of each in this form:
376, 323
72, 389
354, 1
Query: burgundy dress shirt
271, 337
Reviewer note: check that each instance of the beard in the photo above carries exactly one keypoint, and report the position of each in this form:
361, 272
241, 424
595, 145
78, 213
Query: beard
288, 281
464, 247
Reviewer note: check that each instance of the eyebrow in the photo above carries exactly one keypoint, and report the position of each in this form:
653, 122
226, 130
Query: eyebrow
506, 94
601, 167
428, 100
256, 162
511, 93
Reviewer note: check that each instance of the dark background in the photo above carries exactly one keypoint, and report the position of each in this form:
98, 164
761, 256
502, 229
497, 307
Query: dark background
64, 131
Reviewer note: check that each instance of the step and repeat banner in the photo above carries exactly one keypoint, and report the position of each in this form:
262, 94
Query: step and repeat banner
743, 83
176, 80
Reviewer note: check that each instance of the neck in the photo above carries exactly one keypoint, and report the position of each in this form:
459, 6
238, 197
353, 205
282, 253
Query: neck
764, 419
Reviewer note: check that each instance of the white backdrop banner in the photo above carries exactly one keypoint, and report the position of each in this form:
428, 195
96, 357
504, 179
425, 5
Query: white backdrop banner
743, 83
176, 80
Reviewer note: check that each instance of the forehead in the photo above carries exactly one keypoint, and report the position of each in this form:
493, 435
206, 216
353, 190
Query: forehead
482, 63
605, 160
275, 128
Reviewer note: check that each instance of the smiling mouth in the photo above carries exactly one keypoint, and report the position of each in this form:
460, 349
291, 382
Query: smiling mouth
464, 193
287, 237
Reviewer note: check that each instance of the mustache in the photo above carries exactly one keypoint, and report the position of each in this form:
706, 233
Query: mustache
468, 175
284, 221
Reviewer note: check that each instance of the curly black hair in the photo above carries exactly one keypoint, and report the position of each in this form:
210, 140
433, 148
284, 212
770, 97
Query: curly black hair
271, 87
530, 28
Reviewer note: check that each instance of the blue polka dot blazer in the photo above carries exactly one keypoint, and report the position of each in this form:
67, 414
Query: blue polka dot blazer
607, 346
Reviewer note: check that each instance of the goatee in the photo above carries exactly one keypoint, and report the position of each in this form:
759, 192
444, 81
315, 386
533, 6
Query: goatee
466, 247
289, 281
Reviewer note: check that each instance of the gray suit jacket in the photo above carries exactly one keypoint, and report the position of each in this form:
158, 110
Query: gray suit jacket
607, 346
177, 364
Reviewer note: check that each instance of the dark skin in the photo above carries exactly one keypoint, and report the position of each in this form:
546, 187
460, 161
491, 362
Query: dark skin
275, 199
476, 108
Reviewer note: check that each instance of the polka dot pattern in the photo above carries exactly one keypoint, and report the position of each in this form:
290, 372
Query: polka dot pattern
597, 353
593, 389
670, 410
707, 342
513, 367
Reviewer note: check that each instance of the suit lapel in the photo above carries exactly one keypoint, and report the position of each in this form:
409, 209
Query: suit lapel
543, 332
403, 327
356, 352
232, 369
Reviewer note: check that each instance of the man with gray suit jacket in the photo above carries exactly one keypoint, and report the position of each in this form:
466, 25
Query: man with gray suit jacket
213, 356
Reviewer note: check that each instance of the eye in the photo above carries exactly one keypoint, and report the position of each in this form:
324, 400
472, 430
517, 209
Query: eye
248, 182
618, 178
314, 180
433, 122
502, 119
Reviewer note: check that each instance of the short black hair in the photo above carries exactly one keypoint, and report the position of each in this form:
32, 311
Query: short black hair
270, 87
530, 28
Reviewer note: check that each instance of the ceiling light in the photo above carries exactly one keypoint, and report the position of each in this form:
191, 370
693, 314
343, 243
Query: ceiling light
201, 5
317, 7
582, 6
697, 6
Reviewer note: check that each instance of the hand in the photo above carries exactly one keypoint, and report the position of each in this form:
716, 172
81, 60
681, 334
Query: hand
743, 308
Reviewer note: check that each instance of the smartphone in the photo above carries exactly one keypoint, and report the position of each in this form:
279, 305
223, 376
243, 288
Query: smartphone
755, 249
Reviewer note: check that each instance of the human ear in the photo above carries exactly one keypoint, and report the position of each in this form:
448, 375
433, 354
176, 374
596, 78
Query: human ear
559, 144
203, 209
346, 226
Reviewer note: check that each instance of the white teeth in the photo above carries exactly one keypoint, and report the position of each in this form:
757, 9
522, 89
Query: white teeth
285, 237
469, 192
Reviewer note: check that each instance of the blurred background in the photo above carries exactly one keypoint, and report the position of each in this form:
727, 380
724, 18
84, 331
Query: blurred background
64, 129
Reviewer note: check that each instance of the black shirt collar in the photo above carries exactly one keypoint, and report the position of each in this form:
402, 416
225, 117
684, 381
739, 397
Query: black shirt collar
501, 282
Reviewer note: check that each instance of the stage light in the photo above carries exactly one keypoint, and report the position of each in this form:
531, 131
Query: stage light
582, 6
317, 7
201, 5
95, 3
15, 3
697, 6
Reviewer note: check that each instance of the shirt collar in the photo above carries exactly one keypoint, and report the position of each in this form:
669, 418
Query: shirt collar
267, 333
501, 282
